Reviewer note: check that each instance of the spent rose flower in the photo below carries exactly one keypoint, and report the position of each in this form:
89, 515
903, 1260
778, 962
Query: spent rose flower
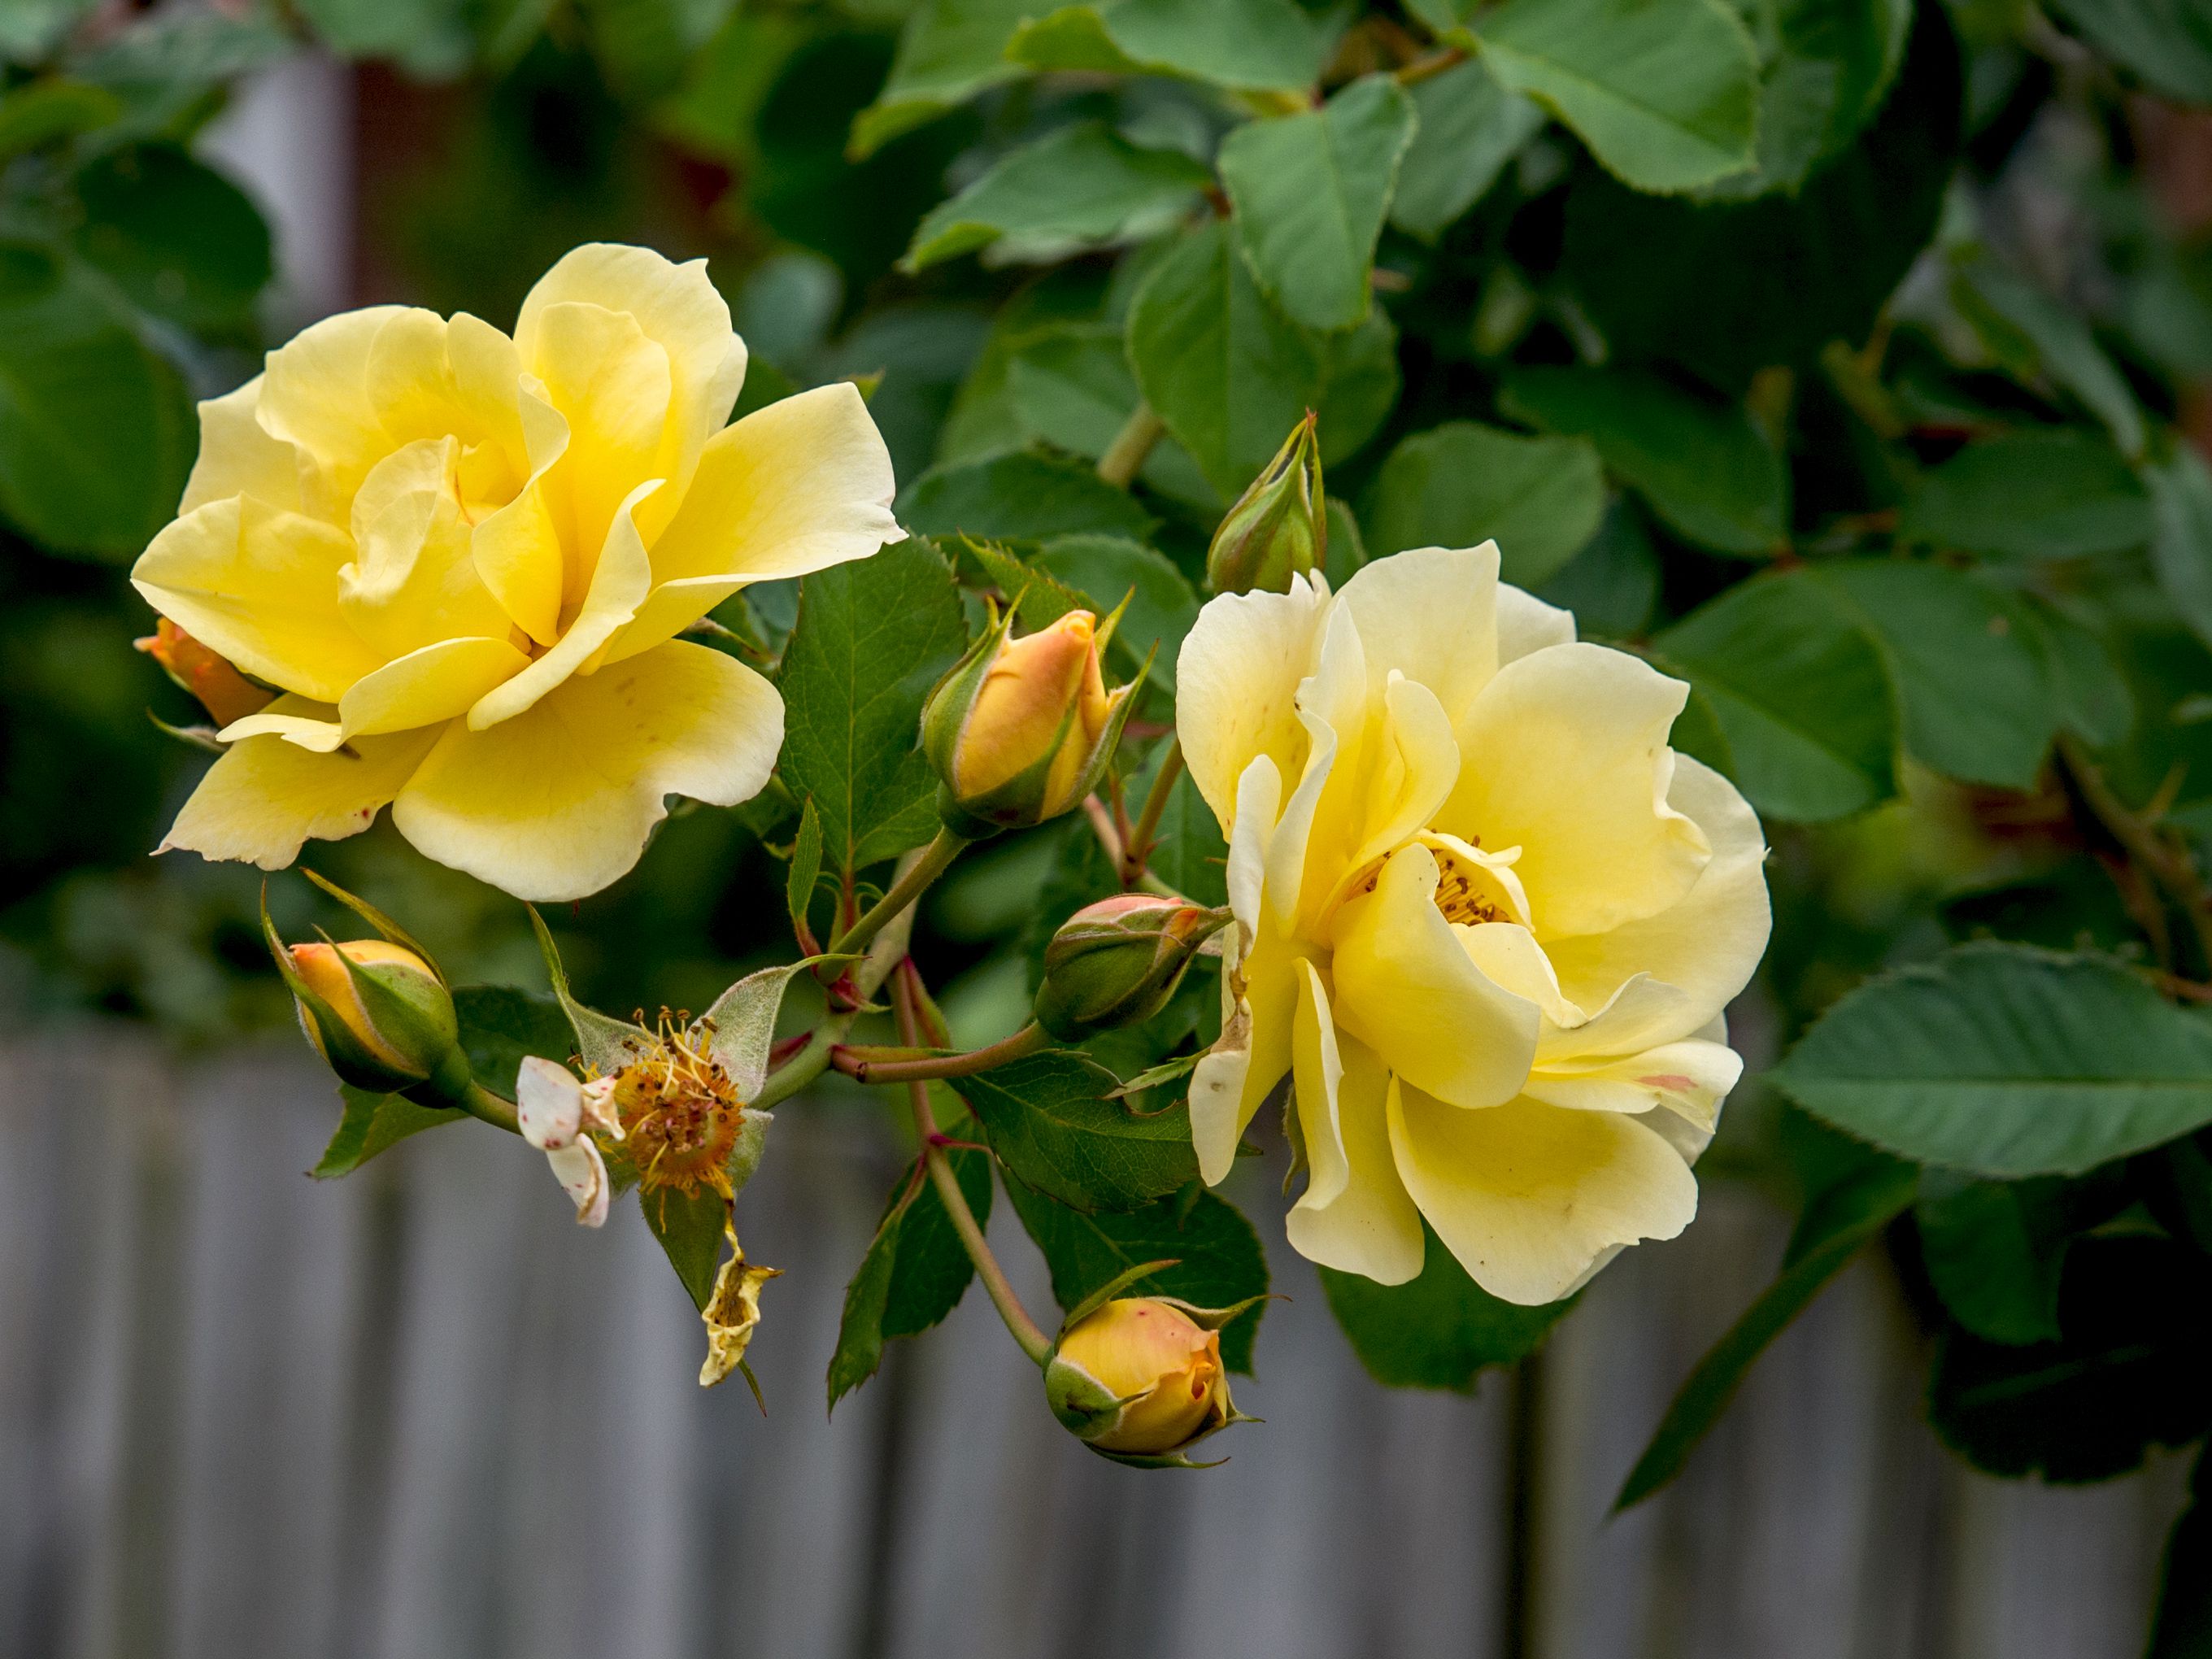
1487, 920
465, 559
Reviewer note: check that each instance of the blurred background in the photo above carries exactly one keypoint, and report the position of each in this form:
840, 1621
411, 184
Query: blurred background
419, 1414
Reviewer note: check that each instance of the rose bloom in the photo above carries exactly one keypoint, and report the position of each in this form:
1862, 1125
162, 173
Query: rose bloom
464, 558
1486, 921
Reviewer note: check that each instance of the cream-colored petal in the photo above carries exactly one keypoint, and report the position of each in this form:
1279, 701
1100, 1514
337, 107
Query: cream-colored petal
308, 731
549, 1104
796, 487
1236, 683
314, 393
1251, 1058
1565, 755
556, 803
618, 587
1710, 942
1529, 1196
265, 796
1690, 1079
1509, 957
238, 458
1526, 624
1258, 805
1405, 986
1325, 811
1355, 1214
583, 1174
1412, 770
429, 686
1429, 613
677, 306
259, 585
1641, 1013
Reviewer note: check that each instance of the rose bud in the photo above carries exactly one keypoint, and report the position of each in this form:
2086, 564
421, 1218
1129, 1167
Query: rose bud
1139, 1379
1279, 528
1021, 729
1117, 962
225, 693
378, 1012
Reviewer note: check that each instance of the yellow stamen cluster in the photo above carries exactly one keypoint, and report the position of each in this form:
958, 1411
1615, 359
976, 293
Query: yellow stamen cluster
679, 1111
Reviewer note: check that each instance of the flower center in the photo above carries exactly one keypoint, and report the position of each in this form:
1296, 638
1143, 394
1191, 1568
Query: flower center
1466, 892
679, 1111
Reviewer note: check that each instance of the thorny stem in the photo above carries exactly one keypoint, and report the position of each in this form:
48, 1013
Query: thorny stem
936, 858
1131, 445
2173, 868
1031, 1341
1139, 845
1027, 1041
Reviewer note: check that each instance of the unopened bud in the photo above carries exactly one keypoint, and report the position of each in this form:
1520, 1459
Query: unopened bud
1139, 1379
1021, 729
225, 693
1117, 962
1279, 528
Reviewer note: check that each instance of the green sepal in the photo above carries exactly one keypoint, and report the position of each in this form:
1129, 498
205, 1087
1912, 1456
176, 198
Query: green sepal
602, 1043
1179, 1458
392, 931
1114, 1288
332, 1039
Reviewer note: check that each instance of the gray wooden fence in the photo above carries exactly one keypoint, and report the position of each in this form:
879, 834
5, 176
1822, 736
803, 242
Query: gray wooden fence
419, 1414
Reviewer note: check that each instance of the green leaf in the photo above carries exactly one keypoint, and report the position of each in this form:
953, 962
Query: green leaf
2092, 695
429, 37
1973, 692
1041, 598
1704, 466
1665, 91
1072, 387
1083, 186
1022, 496
1244, 45
40, 112
1827, 64
1794, 692
1230, 374
2036, 337
2129, 1373
1726, 288
1439, 1330
915, 1270
1052, 1121
1828, 1235
1310, 191
2167, 42
949, 50
1613, 584
1996, 1250
689, 1228
2005, 1061
873, 636
1217, 1256
1467, 127
373, 1122
31, 29
805, 870
179, 238
499, 1025
2048, 494
1162, 607
2181, 540
96, 433
1460, 484
2183, 1626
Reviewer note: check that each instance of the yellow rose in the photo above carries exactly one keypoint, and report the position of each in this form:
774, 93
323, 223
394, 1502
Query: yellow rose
1486, 919
464, 558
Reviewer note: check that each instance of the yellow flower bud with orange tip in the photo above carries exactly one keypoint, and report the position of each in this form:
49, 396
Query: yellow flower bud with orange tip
378, 1010
225, 693
1139, 1379
1020, 730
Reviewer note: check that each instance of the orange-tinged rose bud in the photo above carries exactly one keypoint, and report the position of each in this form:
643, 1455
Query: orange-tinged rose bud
225, 693
1139, 1377
1020, 729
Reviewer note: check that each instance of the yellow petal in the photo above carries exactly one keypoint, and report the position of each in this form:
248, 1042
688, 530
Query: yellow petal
1355, 1214
1251, 1058
237, 457
413, 580
259, 585
619, 588
1565, 756
1689, 1078
1326, 810
796, 487
612, 386
1430, 614
1528, 1196
1259, 804
314, 393
1710, 942
1526, 624
265, 796
427, 377
1405, 986
429, 686
557, 802
1237, 682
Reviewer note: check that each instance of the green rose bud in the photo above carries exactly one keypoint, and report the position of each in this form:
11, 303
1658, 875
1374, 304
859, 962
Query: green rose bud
1021, 729
1117, 962
1277, 528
